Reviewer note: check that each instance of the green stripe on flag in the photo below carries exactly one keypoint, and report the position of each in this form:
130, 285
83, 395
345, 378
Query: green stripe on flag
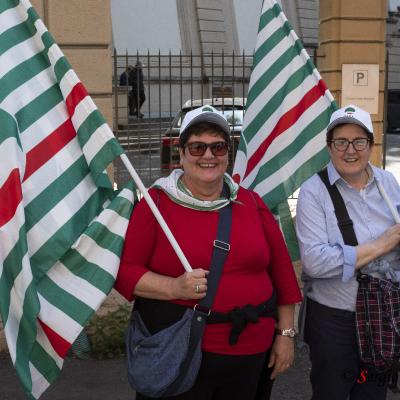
7, 4
44, 363
295, 180
54, 248
268, 76
121, 206
27, 331
15, 35
316, 126
88, 271
38, 107
12, 266
275, 101
282, 212
107, 152
55, 192
89, 126
22, 73
64, 301
105, 238
268, 16
8, 128
263, 51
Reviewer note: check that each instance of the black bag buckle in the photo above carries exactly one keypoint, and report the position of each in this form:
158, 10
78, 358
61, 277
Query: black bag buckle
222, 245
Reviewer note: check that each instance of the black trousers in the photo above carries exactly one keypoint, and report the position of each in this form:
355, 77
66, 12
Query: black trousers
337, 372
224, 377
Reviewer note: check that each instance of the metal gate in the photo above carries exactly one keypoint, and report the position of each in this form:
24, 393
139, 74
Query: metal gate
169, 81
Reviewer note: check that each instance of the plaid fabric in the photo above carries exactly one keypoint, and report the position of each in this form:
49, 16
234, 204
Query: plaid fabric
378, 322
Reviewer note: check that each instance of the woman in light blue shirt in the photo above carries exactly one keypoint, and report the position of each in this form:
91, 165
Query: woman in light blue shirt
330, 266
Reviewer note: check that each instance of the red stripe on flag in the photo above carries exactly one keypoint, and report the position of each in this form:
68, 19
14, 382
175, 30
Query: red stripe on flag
10, 196
77, 94
49, 147
285, 122
60, 345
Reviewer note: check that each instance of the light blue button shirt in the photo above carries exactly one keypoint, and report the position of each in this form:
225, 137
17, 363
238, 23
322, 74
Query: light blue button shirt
329, 264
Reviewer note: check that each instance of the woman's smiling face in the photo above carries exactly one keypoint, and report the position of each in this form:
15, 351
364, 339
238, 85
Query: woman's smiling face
208, 168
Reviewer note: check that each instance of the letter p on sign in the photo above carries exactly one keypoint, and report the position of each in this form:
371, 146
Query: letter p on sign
360, 78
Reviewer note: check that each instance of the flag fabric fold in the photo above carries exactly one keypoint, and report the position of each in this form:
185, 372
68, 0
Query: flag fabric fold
287, 111
61, 225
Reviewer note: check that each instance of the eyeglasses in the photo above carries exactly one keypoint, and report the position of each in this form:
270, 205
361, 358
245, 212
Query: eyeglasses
198, 149
359, 144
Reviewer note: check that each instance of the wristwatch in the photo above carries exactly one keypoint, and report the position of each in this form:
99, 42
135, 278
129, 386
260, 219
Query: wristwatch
286, 332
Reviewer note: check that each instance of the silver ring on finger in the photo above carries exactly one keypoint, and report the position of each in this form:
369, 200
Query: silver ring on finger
197, 289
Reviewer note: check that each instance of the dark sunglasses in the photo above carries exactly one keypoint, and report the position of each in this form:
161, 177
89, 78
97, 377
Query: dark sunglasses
198, 149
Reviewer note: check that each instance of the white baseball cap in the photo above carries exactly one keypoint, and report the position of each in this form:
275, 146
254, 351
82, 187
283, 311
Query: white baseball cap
207, 114
351, 114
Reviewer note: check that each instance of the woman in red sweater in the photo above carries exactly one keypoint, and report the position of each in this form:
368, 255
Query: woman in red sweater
257, 264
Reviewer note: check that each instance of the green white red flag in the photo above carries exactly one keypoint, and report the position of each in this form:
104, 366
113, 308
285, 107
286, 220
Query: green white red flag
287, 111
61, 226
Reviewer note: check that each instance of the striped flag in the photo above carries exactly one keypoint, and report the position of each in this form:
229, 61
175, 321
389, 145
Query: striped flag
287, 112
61, 226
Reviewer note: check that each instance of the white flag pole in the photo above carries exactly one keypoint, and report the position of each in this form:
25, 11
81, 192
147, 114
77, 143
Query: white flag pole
156, 213
394, 212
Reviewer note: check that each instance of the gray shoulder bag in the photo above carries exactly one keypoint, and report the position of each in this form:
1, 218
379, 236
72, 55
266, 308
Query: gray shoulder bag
167, 362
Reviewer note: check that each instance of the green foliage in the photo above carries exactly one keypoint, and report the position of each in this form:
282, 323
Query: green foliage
107, 332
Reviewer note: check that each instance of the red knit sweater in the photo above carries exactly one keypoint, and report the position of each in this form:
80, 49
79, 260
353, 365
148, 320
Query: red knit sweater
258, 260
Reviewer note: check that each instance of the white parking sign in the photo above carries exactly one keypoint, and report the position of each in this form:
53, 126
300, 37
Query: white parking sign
360, 86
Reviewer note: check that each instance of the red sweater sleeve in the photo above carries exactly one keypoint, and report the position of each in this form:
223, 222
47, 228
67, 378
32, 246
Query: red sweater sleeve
281, 269
138, 248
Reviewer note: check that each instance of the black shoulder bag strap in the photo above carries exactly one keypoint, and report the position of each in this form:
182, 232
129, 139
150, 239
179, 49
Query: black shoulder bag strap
203, 309
349, 238
344, 222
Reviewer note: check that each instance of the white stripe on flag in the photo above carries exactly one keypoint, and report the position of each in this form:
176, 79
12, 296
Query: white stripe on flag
270, 183
58, 321
113, 221
51, 170
60, 214
28, 91
103, 258
39, 382
273, 86
9, 234
54, 53
17, 297
94, 145
69, 80
44, 342
82, 111
17, 54
12, 17
274, 25
44, 126
287, 137
76, 286
9, 149
264, 64
291, 100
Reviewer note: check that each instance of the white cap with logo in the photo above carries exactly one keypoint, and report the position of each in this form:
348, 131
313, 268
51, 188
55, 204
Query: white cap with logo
351, 115
207, 114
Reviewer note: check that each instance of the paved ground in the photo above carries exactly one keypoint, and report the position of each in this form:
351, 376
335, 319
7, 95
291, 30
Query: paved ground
106, 380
